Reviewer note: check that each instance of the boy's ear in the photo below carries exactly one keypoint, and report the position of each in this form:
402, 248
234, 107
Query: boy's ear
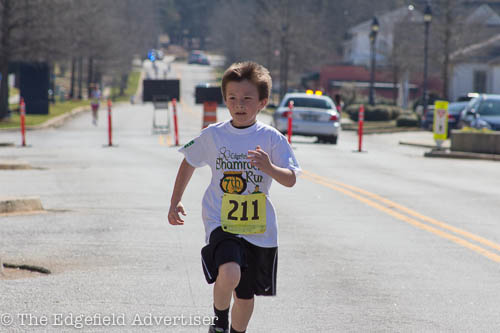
263, 103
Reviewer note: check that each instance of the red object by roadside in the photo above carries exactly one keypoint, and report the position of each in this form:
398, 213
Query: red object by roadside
110, 133
361, 119
290, 121
176, 131
23, 121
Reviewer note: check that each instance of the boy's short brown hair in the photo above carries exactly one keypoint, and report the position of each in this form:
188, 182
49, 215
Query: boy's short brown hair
251, 71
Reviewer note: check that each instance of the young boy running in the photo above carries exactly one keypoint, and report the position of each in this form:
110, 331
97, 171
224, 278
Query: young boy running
240, 223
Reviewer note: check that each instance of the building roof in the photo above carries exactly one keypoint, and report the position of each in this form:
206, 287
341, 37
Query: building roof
360, 75
484, 51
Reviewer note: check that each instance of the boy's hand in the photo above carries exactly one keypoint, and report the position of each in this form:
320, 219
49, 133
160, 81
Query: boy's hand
173, 214
260, 159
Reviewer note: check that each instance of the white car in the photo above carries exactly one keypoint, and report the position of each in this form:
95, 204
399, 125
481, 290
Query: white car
312, 115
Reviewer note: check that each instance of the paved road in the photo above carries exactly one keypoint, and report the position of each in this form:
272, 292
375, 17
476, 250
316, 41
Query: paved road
385, 240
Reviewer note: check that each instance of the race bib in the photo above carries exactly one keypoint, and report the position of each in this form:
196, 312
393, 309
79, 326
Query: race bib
244, 214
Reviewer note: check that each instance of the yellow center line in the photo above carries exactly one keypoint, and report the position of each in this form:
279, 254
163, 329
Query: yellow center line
186, 107
165, 140
390, 211
411, 212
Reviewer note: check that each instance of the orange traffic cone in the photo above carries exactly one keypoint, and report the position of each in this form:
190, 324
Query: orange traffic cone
209, 113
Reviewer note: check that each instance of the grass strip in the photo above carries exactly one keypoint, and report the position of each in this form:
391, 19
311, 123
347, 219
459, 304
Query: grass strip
132, 83
36, 119
64, 107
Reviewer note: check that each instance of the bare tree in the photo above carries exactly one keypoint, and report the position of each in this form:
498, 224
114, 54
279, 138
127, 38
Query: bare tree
453, 27
103, 35
288, 34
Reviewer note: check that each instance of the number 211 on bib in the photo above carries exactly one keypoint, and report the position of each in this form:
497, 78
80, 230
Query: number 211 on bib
244, 214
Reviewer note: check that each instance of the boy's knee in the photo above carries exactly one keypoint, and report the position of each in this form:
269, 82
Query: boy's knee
229, 274
244, 301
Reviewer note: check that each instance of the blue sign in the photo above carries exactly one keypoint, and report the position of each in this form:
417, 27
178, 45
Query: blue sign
152, 55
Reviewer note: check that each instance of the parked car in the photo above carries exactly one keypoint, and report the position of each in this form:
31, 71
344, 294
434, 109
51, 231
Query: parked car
467, 97
454, 111
313, 115
198, 57
482, 112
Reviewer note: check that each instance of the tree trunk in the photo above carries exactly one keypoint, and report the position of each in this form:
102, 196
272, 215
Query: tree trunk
52, 82
80, 77
123, 84
4, 60
72, 87
90, 75
395, 79
4, 89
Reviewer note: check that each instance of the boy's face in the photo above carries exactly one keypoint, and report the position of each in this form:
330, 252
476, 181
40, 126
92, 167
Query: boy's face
242, 100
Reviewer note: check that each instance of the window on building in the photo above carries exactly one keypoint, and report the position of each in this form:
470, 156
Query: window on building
480, 81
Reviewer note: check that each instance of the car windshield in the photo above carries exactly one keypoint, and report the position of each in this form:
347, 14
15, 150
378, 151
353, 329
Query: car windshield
309, 103
472, 103
490, 107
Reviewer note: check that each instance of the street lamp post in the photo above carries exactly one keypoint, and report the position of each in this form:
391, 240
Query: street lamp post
373, 38
427, 21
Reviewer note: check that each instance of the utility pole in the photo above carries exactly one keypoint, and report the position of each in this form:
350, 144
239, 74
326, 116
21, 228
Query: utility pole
427, 21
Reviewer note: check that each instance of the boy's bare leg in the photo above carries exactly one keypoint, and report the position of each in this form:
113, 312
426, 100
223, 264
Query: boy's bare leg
241, 313
227, 279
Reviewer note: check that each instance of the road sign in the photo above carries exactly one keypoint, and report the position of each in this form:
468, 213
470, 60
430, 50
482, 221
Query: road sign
168, 88
34, 86
208, 94
440, 126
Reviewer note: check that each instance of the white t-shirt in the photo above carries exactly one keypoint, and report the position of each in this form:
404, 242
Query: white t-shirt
225, 148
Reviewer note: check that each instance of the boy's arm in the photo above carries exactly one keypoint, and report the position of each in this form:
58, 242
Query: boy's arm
183, 176
261, 160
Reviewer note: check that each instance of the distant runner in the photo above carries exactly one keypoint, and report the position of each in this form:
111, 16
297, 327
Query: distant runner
244, 155
96, 98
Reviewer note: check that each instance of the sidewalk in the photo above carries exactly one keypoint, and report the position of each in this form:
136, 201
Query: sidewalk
427, 141
422, 140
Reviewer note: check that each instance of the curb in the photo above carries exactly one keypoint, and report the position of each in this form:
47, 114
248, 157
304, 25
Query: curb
53, 122
14, 165
462, 155
57, 121
17, 205
382, 130
417, 144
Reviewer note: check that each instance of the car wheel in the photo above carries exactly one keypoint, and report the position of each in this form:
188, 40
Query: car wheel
333, 139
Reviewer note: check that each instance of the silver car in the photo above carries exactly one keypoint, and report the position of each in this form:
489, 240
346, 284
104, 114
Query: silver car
312, 115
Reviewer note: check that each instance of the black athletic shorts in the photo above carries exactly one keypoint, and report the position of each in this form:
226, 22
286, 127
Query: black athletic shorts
258, 264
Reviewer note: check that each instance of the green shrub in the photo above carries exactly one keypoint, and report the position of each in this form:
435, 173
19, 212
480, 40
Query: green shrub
375, 112
407, 121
